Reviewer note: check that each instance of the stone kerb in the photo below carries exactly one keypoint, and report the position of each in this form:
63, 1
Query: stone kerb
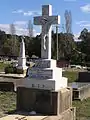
64, 99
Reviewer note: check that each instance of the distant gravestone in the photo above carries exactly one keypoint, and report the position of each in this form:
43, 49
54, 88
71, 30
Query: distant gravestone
46, 21
6, 86
22, 68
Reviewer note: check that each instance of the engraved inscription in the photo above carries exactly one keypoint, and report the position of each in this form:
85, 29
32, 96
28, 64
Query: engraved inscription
42, 64
43, 86
41, 74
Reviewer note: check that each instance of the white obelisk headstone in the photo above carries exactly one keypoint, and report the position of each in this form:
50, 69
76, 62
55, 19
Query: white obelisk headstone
46, 20
22, 59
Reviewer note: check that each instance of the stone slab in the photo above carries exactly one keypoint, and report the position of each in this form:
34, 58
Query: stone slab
49, 84
61, 83
46, 73
6, 86
44, 63
22, 117
12, 75
9, 80
84, 77
67, 115
44, 102
40, 73
34, 83
80, 90
64, 99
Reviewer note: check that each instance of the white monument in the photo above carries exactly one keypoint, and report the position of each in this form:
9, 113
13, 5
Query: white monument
46, 20
22, 68
45, 74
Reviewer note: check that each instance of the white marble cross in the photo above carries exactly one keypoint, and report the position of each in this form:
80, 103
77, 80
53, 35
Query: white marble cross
46, 20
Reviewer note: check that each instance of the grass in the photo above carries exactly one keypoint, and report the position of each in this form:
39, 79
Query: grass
82, 109
7, 102
71, 75
2, 66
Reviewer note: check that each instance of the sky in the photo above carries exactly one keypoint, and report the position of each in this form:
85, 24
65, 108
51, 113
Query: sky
19, 12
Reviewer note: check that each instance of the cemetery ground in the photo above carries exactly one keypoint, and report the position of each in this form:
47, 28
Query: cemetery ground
2, 66
8, 104
71, 75
8, 99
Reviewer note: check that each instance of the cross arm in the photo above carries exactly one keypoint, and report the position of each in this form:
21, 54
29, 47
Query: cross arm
37, 20
54, 19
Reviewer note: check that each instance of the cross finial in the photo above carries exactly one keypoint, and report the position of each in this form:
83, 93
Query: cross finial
46, 10
46, 20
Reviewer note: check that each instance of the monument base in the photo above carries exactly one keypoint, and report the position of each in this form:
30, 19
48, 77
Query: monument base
43, 84
45, 73
45, 102
22, 70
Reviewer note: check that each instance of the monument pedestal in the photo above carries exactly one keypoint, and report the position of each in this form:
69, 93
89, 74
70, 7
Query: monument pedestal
21, 71
45, 102
45, 69
45, 75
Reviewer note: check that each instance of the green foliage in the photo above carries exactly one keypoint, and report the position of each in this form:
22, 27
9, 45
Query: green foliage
10, 45
65, 45
34, 46
2, 66
68, 49
10, 69
84, 45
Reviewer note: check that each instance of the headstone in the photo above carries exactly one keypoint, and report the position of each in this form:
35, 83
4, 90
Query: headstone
81, 90
84, 76
45, 89
45, 74
6, 86
22, 68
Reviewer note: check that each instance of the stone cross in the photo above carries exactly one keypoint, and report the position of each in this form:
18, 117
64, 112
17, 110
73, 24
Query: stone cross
46, 21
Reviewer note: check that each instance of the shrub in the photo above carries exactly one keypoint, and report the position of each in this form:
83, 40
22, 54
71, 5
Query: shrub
10, 69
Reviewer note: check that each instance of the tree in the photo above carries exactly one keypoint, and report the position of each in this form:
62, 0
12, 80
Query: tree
7, 47
66, 44
13, 37
3, 38
34, 47
30, 29
84, 45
